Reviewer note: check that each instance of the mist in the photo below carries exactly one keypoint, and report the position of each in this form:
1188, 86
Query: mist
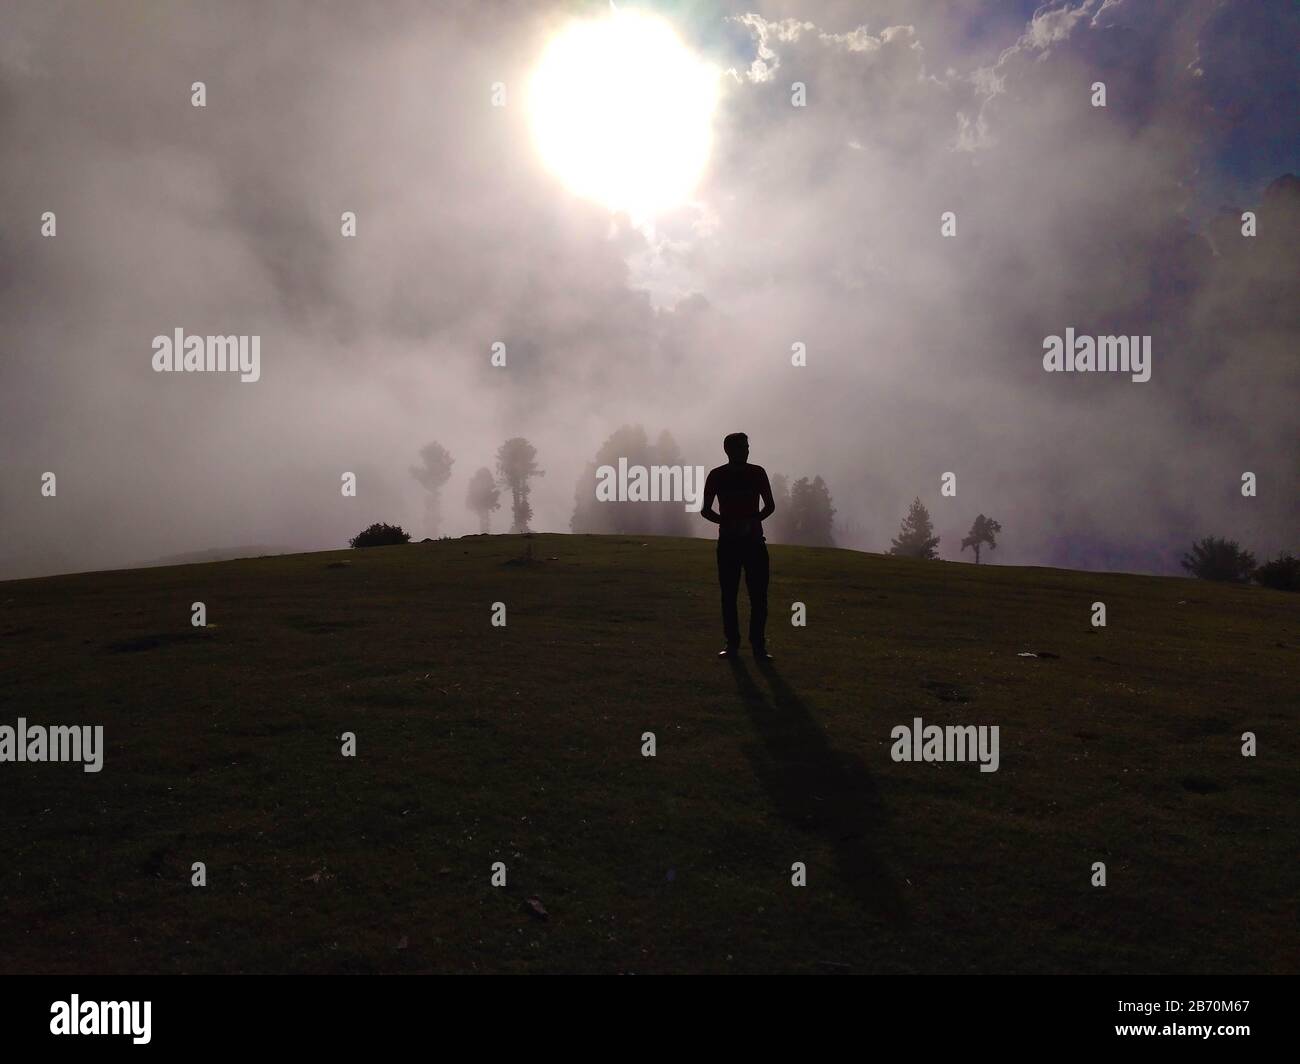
817, 225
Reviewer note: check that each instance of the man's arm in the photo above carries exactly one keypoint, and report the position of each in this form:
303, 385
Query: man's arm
710, 496
765, 492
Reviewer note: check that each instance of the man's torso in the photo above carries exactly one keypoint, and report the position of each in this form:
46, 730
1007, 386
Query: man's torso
739, 489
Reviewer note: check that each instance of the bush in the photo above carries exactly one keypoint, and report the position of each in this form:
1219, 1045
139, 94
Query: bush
1219, 559
380, 536
1281, 574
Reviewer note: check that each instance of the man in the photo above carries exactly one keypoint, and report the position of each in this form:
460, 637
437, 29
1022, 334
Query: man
738, 488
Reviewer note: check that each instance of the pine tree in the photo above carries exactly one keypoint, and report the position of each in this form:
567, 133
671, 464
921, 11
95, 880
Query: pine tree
670, 517
779, 528
916, 538
665, 517
590, 514
812, 512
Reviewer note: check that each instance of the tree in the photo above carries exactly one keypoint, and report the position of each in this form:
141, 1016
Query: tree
662, 517
380, 535
1281, 574
670, 517
591, 514
432, 475
982, 531
916, 538
779, 528
516, 466
483, 497
811, 512
1219, 559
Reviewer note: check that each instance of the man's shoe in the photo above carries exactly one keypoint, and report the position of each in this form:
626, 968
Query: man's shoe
761, 654
729, 652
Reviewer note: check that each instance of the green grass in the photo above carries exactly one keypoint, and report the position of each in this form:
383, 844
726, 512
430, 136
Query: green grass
523, 744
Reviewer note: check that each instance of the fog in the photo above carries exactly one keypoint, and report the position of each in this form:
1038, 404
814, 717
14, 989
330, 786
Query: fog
817, 225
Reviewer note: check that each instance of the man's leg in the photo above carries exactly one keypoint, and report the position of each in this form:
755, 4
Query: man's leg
756, 578
729, 562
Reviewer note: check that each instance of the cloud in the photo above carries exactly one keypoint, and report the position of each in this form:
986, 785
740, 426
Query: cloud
817, 225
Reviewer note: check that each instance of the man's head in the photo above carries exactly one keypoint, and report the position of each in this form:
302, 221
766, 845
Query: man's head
737, 447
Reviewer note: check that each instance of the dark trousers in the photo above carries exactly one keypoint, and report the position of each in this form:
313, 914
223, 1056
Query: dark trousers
750, 555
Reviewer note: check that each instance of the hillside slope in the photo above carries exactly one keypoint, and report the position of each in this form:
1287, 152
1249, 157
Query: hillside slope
522, 744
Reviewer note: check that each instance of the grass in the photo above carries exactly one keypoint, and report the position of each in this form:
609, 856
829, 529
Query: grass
522, 744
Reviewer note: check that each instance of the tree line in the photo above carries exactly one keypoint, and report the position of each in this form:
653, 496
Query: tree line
916, 538
804, 516
1210, 558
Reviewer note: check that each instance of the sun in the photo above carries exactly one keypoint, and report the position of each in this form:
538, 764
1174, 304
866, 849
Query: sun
622, 112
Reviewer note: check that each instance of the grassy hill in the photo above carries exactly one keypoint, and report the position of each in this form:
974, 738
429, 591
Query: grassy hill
522, 744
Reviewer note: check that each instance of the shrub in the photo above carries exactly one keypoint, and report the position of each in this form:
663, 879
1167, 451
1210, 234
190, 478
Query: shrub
1219, 559
378, 535
1281, 574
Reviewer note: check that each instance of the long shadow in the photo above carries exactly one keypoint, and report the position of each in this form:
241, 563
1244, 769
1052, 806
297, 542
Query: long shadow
821, 790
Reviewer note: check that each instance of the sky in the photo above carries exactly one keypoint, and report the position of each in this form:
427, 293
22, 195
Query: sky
818, 225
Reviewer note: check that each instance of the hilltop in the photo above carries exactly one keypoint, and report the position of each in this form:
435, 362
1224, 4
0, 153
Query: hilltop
523, 745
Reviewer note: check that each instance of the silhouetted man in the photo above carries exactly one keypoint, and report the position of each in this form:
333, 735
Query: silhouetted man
738, 488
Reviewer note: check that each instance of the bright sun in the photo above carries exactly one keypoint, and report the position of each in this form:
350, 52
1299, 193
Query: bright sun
622, 111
